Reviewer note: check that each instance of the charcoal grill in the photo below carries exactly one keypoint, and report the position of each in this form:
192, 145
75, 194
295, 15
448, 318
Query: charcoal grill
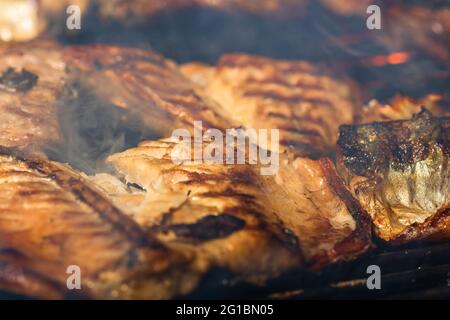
420, 271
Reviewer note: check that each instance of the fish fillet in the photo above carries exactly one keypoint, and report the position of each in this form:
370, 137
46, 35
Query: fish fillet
237, 218
32, 80
52, 218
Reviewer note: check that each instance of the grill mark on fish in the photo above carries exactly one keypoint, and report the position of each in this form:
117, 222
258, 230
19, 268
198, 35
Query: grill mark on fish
186, 104
95, 55
15, 81
295, 98
276, 229
360, 215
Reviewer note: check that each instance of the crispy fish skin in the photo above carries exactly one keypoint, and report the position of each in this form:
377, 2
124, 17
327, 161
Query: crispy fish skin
296, 97
302, 217
52, 218
399, 171
32, 79
148, 87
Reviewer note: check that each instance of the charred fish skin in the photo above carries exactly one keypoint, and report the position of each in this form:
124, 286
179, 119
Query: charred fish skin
52, 218
399, 171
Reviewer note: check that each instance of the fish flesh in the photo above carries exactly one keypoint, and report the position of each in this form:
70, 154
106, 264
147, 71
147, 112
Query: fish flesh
241, 220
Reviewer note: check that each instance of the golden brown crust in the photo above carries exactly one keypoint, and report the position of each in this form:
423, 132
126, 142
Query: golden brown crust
348, 7
403, 107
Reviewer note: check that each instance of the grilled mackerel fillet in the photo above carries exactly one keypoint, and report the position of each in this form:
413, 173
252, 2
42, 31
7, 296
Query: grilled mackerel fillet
32, 80
52, 218
400, 173
296, 97
256, 226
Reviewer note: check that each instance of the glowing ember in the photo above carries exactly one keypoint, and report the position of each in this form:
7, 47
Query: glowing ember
392, 58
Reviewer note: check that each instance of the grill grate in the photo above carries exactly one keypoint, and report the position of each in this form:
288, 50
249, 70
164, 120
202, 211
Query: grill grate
408, 272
